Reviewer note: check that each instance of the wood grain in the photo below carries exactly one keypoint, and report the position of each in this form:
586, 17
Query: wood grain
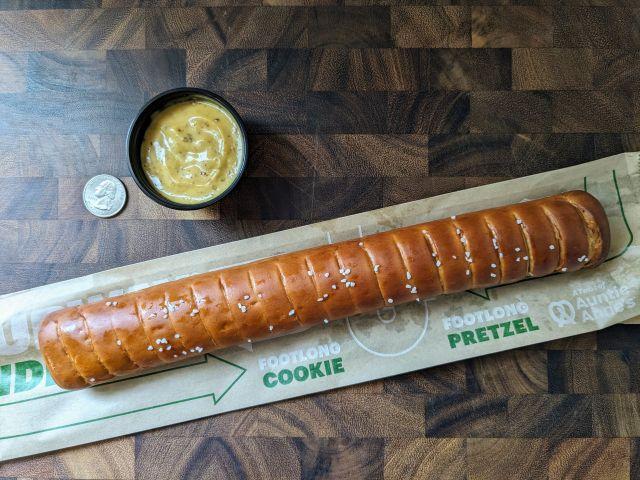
486, 458
26, 30
552, 68
365, 155
469, 69
109, 459
144, 73
550, 416
596, 27
425, 458
432, 27
593, 112
467, 416
350, 105
13, 66
590, 458
509, 373
436, 112
510, 112
512, 27
349, 27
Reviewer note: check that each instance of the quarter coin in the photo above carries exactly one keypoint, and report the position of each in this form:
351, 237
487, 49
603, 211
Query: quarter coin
104, 196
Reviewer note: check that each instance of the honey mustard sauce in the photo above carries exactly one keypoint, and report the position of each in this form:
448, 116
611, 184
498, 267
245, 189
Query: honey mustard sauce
192, 151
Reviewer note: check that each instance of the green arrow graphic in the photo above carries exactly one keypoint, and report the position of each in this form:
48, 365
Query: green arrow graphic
211, 363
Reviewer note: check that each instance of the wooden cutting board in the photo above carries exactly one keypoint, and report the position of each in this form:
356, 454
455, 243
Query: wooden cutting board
350, 108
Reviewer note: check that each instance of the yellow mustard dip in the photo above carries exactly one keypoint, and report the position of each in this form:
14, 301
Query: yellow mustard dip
192, 150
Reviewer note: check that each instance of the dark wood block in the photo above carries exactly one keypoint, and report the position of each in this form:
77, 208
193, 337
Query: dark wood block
349, 27
47, 241
117, 460
337, 197
590, 458
21, 276
606, 144
508, 373
349, 416
552, 69
346, 112
274, 198
40, 466
619, 337
264, 27
510, 112
400, 3
145, 73
596, 27
271, 112
303, 3
506, 156
401, 190
282, 156
28, 198
634, 444
287, 69
445, 379
431, 26
216, 458
79, 29
179, 3
384, 69
617, 69
202, 29
425, 458
166, 235
593, 112
230, 27
471, 155
371, 155
436, 112
469, 69
553, 416
13, 72
366, 69
48, 4
340, 457
50, 156
510, 27
113, 155
616, 415
588, 371
329, 69
535, 153
491, 458
232, 69
63, 71
466, 416
66, 113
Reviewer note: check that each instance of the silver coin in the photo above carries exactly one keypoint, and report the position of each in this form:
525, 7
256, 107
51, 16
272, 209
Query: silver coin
104, 196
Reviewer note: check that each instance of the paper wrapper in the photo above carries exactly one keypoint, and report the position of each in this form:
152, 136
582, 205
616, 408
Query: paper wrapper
37, 416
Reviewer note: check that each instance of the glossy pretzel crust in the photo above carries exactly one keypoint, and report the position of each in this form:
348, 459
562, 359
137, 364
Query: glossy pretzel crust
166, 323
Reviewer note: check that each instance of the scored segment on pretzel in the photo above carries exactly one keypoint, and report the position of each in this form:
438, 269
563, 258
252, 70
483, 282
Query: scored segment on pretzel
88, 344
